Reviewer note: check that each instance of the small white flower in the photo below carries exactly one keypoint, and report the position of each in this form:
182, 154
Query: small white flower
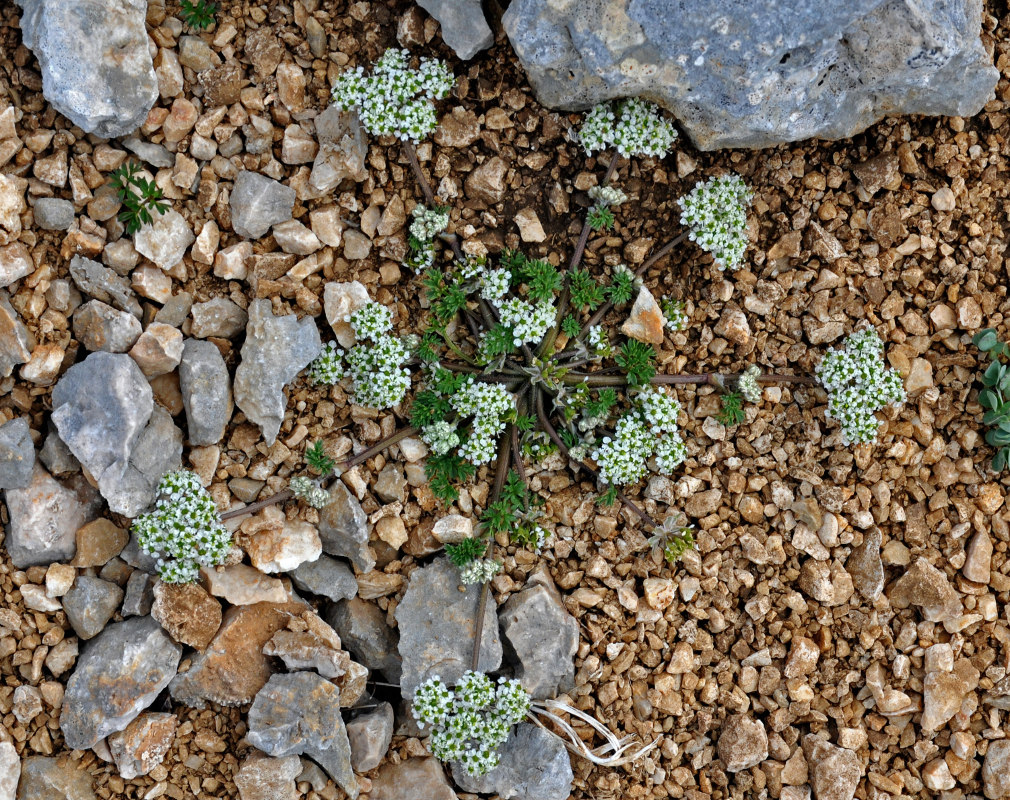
715, 213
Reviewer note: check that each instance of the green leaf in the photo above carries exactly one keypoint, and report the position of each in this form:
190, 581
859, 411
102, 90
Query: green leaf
316, 458
1000, 460
732, 412
985, 340
992, 417
570, 326
1004, 424
465, 551
429, 407
609, 497
622, 288
636, 358
987, 399
585, 291
600, 218
997, 437
992, 374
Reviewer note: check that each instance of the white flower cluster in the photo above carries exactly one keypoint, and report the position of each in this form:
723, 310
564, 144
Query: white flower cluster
428, 223
470, 723
309, 491
395, 99
495, 285
380, 379
598, 342
488, 404
480, 570
637, 128
748, 384
858, 385
649, 429
715, 213
607, 196
184, 531
371, 321
440, 436
529, 321
674, 314
535, 537
327, 368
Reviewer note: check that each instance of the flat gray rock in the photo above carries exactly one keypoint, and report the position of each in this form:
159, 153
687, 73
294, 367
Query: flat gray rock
464, 28
275, 350
760, 73
437, 624
325, 577
53, 213
206, 392
90, 604
343, 528
299, 714
45, 516
96, 65
365, 634
218, 317
534, 766
257, 202
17, 454
99, 326
542, 637
104, 284
119, 674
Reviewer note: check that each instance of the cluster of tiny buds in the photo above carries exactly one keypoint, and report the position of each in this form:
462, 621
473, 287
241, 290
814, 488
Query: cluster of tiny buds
395, 99
637, 128
674, 314
309, 491
748, 384
427, 224
715, 214
529, 321
487, 404
607, 196
479, 571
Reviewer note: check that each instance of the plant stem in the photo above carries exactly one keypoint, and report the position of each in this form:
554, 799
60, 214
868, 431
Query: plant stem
713, 378
375, 449
252, 508
500, 473
429, 195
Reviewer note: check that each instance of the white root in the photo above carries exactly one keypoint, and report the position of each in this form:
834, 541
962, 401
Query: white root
612, 754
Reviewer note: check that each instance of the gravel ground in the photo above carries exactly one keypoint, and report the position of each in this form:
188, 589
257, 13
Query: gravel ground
902, 227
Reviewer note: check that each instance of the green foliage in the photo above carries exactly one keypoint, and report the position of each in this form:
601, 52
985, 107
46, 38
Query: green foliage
198, 15
445, 382
605, 400
514, 491
542, 279
498, 342
466, 551
444, 471
317, 459
608, 497
513, 261
732, 412
996, 380
674, 538
445, 294
570, 326
585, 291
499, 517
677, 545
525, 423
636, 359
138, 195
429, 407
622, 287
600, 218
429, 346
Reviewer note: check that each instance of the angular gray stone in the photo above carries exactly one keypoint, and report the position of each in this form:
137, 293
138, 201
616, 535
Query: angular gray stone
743, 743
16, 342
10, 771
257, 202
99, 326
101, 408
45, 516
342, 150
996, 770
464, 28
534, 766
865, 566
437, 627
90, 604
218, 317
415, 777
139, 596
62, 778
164, 239
770, 71
56, 455
275, 350
53, 213
154, 154
299, 714
133, 555
104, 284
119, 674
370, 735
365, 634
96, 65
206, 392
325, 577
343, 528
17, 454
542, 637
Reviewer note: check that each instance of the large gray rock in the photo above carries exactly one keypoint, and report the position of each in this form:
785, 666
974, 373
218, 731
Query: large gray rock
104, 284
206, 392
257, 202
96, 65
370, 735
17, 454
326, 577
275, 350
45, 516
366, 636
104, 411
299, 714
16, 342
90, 604
120, 673
62, 778
464, 28
534, 766
543, 637
437, 624
763, 72
343, 528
